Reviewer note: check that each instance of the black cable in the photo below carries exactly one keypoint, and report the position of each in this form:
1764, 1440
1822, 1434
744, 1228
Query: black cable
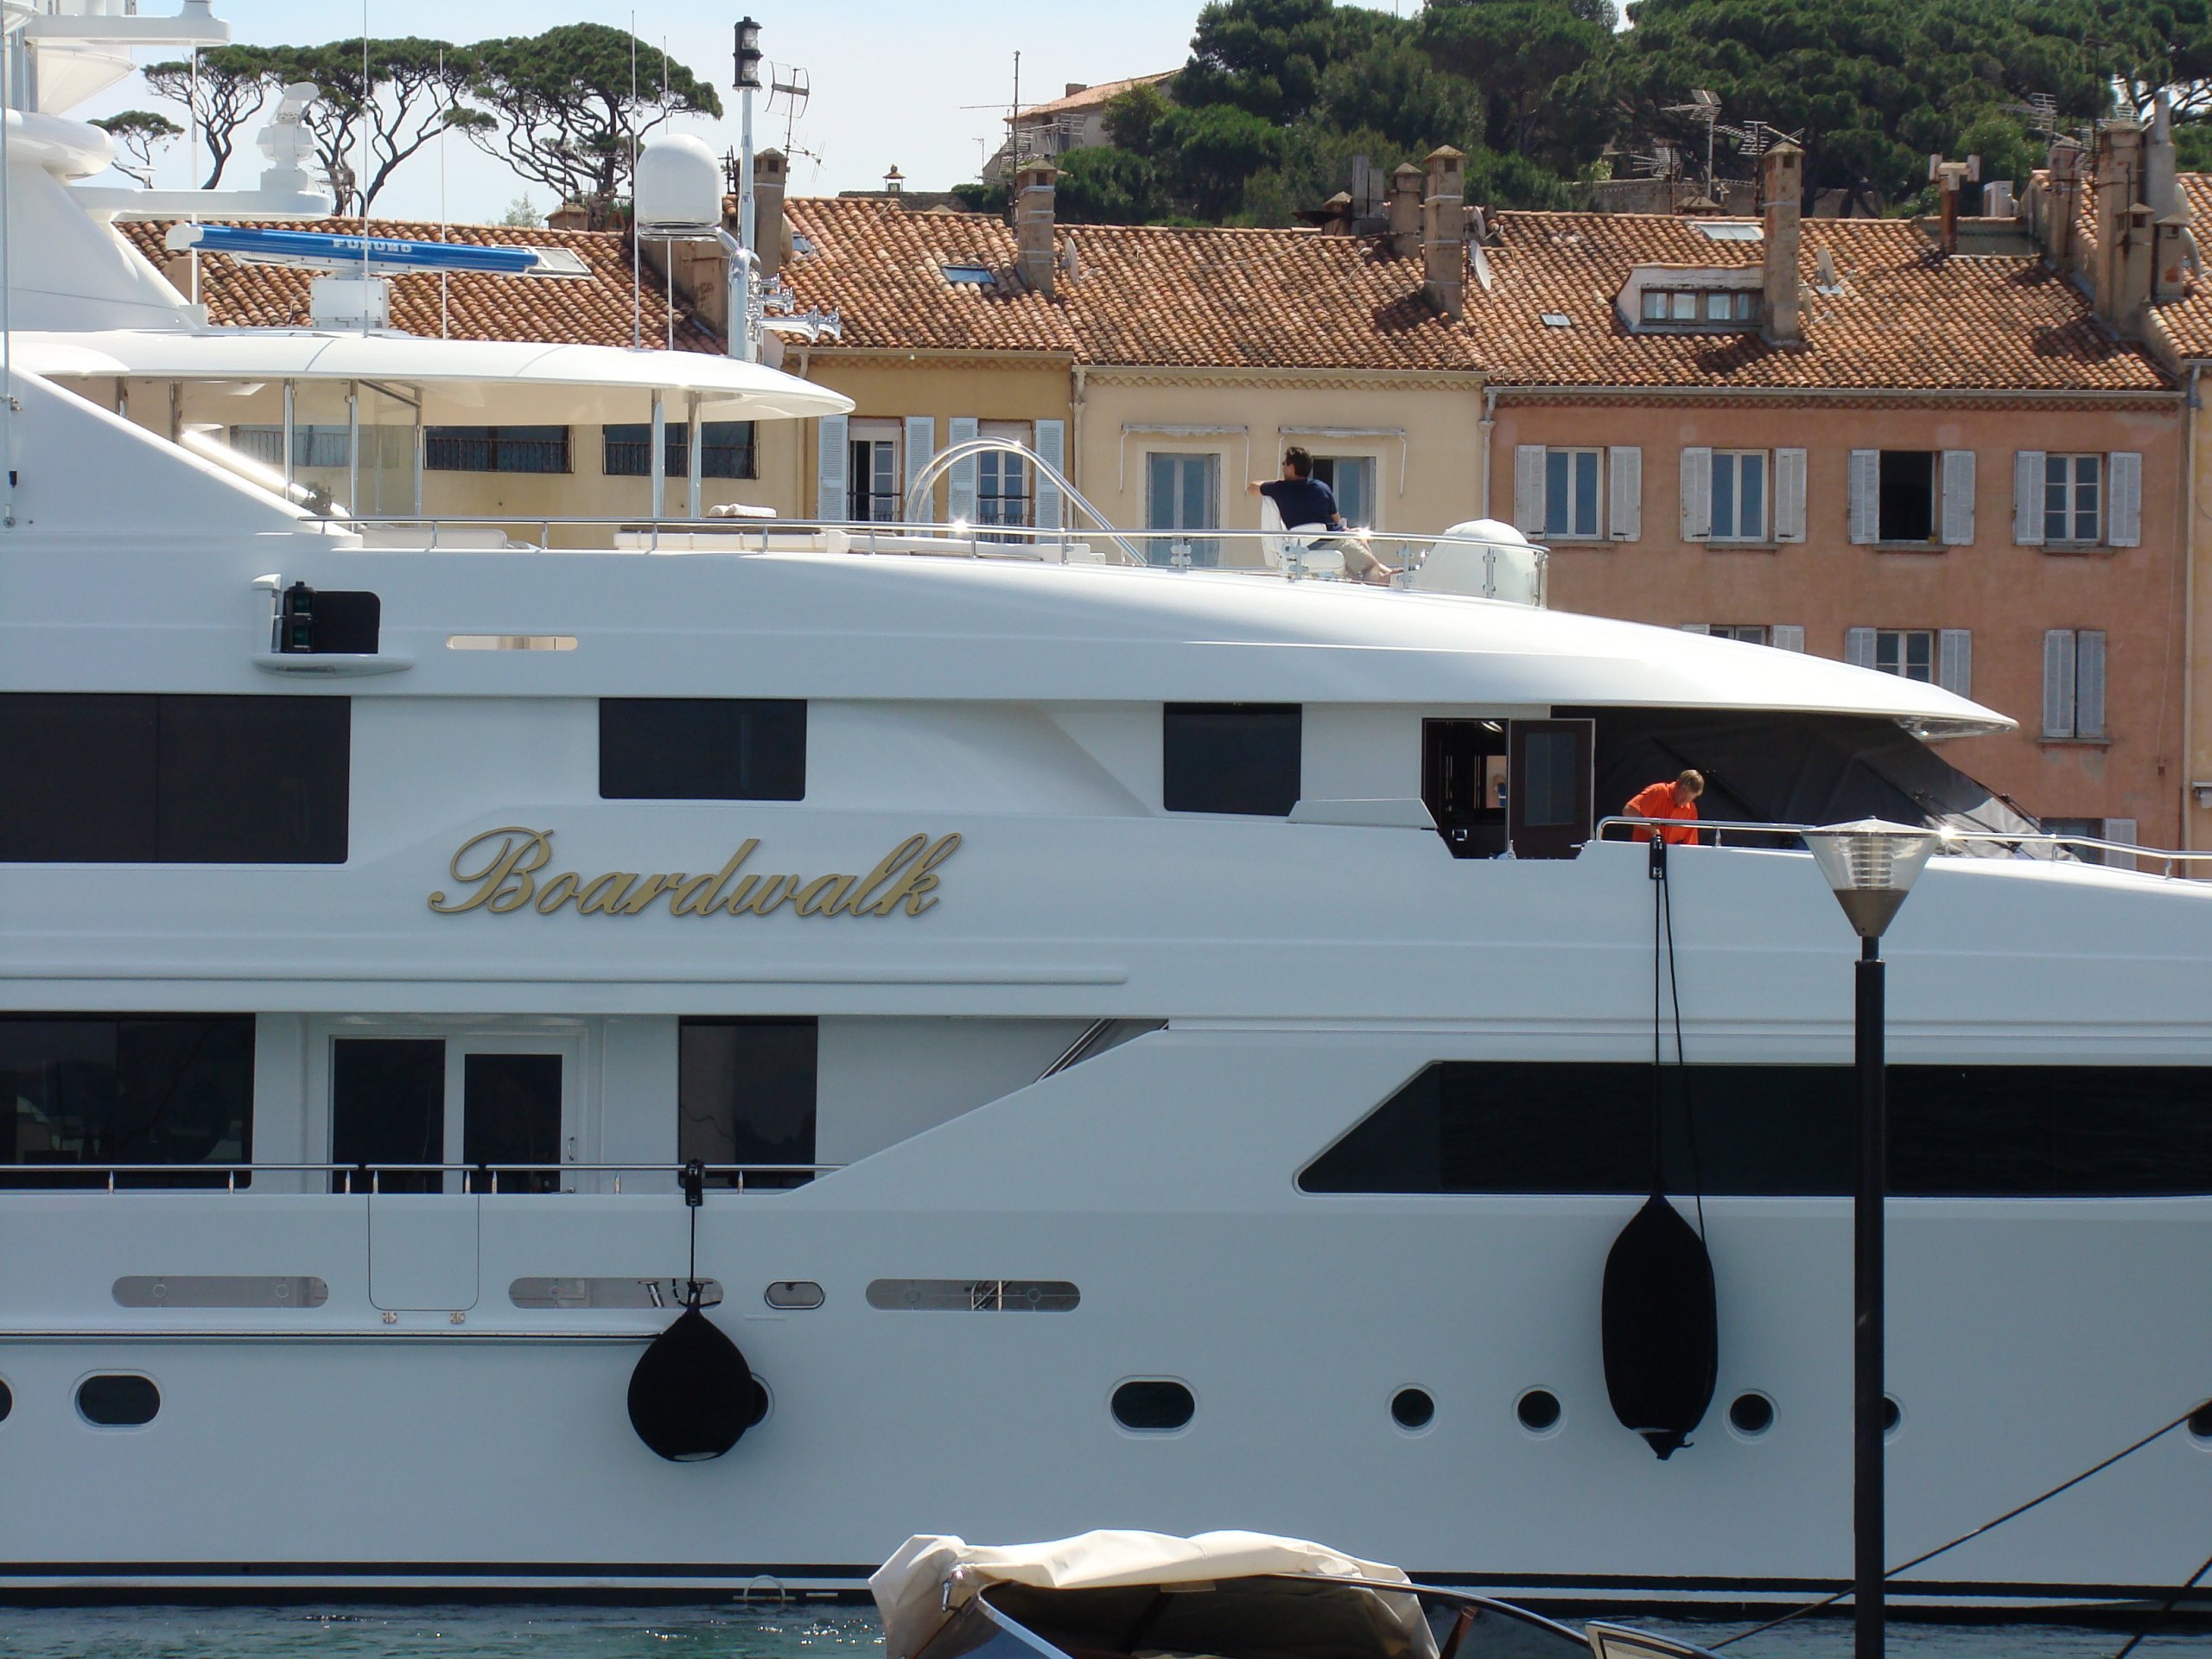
1658, 1075
1986, 1526
695, 1195
2158, 1617
1681, 1062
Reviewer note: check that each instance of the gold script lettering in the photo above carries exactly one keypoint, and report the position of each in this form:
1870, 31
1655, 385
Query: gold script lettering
918, 886
558, 892
604, 892
811, 899
683, 901
505, 880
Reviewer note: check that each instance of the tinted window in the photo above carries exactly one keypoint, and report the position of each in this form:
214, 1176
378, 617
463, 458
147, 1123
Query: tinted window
1157, 1404
725, 449
388, 1106
512, 1114
96, 778
1231, 757
144, 1089
745, 1095
701, 749
118, 1399
1954, 1131
496, 449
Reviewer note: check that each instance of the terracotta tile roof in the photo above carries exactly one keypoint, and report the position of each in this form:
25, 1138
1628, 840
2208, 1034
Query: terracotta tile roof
1092, 97
590, 310
2188, 320
1143, 296
1906, 316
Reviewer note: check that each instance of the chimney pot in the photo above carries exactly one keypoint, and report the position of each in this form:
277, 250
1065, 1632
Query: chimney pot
2121, 274
1444, 232
1405, 212
771, 177
1075, 86
1032, 226
1781, 187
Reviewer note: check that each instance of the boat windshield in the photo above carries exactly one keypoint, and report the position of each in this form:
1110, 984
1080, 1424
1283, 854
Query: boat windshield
1249, 1618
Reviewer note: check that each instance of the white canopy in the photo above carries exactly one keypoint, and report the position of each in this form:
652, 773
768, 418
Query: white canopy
930, 1577
487, 381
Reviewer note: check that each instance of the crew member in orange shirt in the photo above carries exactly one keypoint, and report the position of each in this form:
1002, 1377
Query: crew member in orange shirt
1670, 801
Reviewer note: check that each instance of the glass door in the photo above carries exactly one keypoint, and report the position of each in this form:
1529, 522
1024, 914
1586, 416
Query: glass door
478, 1100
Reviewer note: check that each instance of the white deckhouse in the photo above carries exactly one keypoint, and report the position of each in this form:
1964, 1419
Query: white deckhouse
1167, 1048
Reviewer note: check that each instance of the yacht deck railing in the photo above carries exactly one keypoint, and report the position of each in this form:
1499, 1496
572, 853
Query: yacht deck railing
2034, 845
119, 1177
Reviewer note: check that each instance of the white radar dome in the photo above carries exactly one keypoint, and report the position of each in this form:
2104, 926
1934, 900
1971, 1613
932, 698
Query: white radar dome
679, 190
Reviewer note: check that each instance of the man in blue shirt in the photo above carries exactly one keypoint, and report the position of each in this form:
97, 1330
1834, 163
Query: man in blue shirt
1303, 500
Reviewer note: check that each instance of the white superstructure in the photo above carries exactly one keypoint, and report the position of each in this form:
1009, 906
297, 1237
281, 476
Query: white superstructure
1221, 1054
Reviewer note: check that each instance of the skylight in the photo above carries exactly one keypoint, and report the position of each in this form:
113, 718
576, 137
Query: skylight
979, 275
802, 243
1729, 229
1557, 320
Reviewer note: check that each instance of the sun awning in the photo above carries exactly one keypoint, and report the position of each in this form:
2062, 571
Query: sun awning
486, 381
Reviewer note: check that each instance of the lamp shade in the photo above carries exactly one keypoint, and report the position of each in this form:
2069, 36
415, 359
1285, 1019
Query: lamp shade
1870, 865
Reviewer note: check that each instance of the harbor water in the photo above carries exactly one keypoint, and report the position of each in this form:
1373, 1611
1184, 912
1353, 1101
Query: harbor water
829, 1631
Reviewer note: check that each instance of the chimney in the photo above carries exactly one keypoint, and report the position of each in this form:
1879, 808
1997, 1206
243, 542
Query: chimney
770, 236
1405, 212
1782, 187
2175, 259
1339, 209
1950, 178
2060, 203
2119, 278
569, 216
1444, 232
1032, 226
1075, 86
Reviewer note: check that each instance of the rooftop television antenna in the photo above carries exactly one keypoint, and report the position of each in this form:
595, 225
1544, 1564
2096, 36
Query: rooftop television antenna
1703, 110
791, 83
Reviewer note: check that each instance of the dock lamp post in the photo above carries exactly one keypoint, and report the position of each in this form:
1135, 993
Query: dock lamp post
1872, 865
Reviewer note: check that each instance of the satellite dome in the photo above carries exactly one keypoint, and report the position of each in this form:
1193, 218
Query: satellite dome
679, 191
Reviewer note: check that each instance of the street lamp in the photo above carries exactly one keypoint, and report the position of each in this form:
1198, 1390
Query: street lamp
1870, 865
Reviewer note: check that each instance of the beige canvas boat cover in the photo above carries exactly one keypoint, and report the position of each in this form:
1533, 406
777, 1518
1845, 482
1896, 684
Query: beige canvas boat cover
930, 1576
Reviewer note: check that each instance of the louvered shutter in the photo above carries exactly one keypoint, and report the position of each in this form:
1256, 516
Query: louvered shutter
921, 444
1697, 628
1865, 498
1957, 498
2058, 682
2027, 498
1954, 661
832, 451
960, 482
2089, 683
1858, 647
2124, 508
1697, 494
2120, 830
1528, 489
1786, 636
1052, 446
1789, 495
1626, 462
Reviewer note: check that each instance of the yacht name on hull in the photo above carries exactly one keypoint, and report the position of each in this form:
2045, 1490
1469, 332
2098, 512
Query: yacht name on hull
504, 868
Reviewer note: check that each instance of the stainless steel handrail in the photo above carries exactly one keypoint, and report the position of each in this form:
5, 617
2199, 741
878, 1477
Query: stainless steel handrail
231, 1171
1947, 837
924, 482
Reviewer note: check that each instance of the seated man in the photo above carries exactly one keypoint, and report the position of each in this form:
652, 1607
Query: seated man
1305, 503
1666, 803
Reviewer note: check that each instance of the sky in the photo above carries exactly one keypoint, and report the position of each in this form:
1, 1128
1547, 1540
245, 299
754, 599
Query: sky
892, 80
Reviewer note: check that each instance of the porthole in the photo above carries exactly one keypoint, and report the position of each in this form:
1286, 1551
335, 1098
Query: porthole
1413, 1410
793, 1293
1892, 1414
2200, 1420
1751, 1414
1153, 1405
7, 1402
118, 1399
1539, 1410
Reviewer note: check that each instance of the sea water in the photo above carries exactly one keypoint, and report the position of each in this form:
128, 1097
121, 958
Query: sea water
824, 1631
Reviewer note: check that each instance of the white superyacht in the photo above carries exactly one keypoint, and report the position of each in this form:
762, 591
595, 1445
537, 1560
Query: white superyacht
1165, 1048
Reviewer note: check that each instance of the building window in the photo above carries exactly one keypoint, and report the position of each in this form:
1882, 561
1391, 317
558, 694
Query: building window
725, 450
1231, 757
701, 749
1700, 308
1908, 652
312, 446
1002, 488
745, 1094
2074, 683
1740, 495
2121, 829
97, 777
127, 1088
496, 449
1905, 496
1182, 492
2073, 494
1352, 480
1571, 493
873, 492
1750, 633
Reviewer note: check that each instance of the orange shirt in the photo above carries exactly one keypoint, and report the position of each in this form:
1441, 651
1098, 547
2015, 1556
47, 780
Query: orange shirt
1658, 802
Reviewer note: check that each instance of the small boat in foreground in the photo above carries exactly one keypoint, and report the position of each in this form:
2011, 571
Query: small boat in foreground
1218, 1595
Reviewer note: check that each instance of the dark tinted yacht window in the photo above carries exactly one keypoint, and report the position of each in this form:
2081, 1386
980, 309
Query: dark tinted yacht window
134, 1089
1231, 757
102, 779
1984, 1131
701, 749
745, 1095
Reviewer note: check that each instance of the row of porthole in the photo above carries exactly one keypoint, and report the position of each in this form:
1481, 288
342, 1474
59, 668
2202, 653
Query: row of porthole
111, 1399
